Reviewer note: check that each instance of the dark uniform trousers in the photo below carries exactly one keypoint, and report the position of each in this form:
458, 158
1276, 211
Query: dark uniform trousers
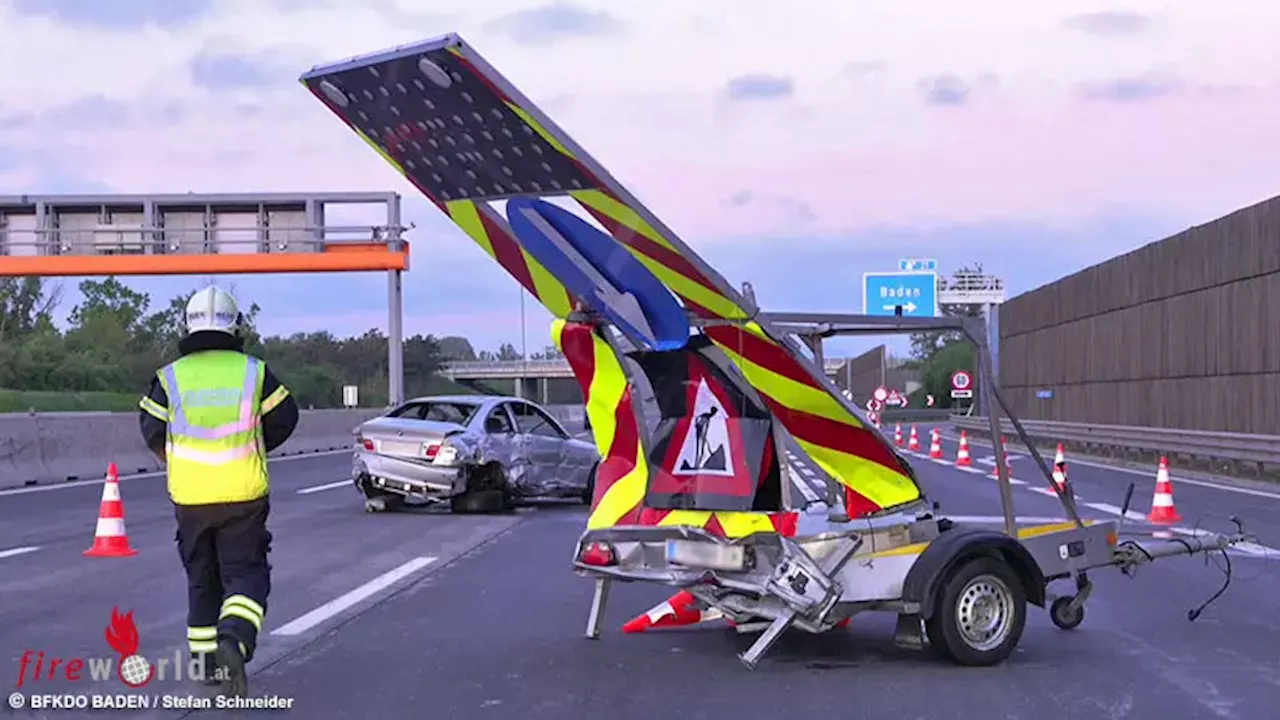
224, 549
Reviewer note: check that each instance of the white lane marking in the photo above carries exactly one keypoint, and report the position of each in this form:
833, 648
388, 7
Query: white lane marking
136, 476
802, 486
1042, 491
326, 486
1151, 474
1115, 510
1245, 547
344, 602
14, 552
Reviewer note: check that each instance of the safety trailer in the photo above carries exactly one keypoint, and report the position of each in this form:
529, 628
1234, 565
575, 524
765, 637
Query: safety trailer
694, 394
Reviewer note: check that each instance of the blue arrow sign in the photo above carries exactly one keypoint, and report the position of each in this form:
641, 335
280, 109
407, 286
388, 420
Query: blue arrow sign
915, 292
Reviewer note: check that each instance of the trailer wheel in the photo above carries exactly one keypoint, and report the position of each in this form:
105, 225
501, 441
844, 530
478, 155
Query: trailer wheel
981, 612
1061, 614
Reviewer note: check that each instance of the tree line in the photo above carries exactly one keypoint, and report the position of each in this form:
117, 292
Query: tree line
115, 339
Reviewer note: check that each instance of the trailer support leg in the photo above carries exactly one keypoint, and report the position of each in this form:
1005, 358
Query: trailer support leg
766, 640
599, 599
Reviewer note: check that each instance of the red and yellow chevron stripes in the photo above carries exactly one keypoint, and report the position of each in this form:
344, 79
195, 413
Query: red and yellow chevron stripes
834, 437
492, 233
732, 525
623, 474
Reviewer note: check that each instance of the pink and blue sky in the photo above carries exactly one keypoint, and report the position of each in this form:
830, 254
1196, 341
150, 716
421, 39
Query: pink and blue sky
795, 145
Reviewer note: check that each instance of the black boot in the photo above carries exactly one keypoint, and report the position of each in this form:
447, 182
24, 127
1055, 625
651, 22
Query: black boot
209, 666
231, 663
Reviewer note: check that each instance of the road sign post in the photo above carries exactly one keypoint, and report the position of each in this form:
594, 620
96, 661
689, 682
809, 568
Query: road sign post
906, 294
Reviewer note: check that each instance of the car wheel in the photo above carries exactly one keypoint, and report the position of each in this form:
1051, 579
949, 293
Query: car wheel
980, 614
589, 492
487, 492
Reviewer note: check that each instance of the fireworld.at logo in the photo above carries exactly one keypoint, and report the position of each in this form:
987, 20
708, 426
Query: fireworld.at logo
126, 665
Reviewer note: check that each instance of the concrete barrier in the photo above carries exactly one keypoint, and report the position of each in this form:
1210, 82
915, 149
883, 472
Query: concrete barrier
56, 447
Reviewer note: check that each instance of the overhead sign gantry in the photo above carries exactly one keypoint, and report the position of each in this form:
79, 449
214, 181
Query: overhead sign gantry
207, 234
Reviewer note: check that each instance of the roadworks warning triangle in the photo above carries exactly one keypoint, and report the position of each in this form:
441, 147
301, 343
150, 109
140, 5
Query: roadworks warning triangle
705, 449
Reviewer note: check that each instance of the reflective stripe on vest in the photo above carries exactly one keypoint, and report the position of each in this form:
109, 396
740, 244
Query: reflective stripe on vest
215, 451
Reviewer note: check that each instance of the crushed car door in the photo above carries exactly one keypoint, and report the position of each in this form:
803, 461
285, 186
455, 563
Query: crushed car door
543, 452
506, 443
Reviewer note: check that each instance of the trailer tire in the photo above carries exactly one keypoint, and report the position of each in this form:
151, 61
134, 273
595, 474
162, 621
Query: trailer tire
981, 612
1062, 616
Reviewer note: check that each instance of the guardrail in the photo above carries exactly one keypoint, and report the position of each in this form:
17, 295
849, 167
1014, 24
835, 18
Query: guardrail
45, 448
1220, 446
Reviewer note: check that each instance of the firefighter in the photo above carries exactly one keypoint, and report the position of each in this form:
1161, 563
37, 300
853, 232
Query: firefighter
212, 416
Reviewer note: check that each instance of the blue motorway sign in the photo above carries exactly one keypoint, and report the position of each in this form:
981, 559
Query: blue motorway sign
917, 265
915, 292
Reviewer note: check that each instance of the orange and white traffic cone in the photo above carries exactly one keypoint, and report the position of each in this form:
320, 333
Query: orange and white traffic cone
935, 443
995, 464
1163, 511
110, 538
679, 610
962, 455
897, 434
913, 443
1059, 468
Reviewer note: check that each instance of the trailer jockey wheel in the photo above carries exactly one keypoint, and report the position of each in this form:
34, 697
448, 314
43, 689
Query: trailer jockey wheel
980, 613
1061, 614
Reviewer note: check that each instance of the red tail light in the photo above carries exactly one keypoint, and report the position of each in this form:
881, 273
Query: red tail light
367, 444
598, 555
429, 451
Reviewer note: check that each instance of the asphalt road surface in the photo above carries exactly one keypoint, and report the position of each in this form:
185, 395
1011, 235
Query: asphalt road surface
422, 614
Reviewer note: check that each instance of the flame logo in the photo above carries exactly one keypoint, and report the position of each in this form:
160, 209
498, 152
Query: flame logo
122, 636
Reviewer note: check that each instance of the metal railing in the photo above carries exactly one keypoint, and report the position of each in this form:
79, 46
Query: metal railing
1235, 447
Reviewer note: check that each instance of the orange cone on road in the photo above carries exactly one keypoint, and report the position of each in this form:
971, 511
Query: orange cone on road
913, 443
110, 538
962, 455
1162, 510
681, 609
1059, 468
935, 443
897, 434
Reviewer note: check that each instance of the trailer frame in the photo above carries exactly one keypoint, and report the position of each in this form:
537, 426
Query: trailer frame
908, 562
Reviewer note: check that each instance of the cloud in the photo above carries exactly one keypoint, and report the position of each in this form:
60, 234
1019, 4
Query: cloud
850, 171
864, 69
759, 86
552, 23
227, 70
1109, 24
944, 90
1132, 89
949, 90
125, 15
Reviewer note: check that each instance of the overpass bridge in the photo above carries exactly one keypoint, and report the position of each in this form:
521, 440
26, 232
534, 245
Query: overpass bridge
546, 380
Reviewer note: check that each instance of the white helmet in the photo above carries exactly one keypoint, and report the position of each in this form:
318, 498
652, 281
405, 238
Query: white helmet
213, 309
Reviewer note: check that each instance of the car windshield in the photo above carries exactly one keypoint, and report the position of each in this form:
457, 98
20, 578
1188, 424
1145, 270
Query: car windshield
434, 411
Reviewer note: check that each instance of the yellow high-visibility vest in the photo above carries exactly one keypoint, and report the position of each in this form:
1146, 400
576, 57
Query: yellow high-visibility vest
214, 448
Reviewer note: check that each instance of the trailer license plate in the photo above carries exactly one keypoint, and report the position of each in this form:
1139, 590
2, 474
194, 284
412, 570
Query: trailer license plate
706, 555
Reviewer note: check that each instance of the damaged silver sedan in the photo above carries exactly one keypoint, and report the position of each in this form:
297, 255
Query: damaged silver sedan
478, 453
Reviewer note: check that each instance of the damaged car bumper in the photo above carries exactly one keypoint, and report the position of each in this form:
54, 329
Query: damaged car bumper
408, 478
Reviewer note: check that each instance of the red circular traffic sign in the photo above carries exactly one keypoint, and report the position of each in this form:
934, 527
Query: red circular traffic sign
961, 380
881, 394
